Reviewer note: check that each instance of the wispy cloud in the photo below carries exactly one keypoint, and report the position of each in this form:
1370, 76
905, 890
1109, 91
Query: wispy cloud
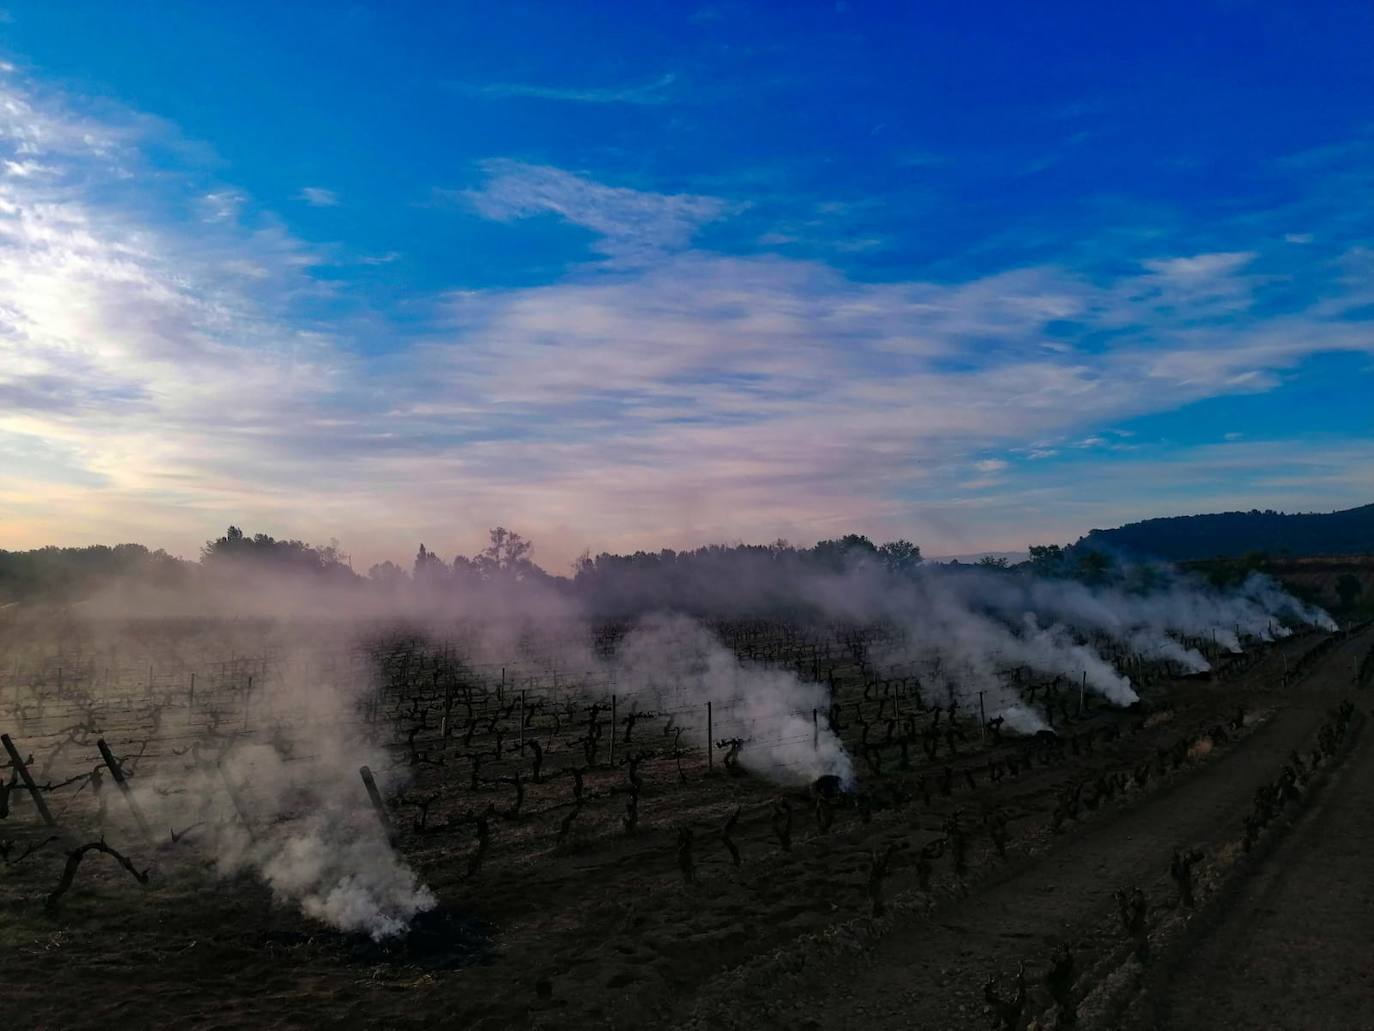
319, 197
380, 259
222, 205
654, 92
631, 224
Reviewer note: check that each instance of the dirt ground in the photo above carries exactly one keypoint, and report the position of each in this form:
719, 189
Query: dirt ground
600, 930
929, 972
1291, 947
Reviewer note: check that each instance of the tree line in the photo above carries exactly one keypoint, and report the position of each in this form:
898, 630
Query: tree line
68, 574
699, 578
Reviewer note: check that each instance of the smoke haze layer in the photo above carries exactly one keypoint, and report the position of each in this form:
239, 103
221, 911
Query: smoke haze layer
279, 796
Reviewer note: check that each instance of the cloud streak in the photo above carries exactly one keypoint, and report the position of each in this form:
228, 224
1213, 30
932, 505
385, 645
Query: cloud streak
651, 93
319, 197
630, 225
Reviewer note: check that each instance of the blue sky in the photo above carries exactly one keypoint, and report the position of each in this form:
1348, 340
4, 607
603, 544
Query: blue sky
642, 275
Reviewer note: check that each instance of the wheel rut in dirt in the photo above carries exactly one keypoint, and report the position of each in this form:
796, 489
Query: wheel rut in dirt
1291, 949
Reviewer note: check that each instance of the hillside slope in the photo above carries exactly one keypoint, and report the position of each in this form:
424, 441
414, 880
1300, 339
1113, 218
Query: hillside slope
1184, 538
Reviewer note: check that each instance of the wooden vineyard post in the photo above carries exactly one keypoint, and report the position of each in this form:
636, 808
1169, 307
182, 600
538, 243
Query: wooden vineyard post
501, 688
191, 692
1082, 686
376, 796
246, 692
815, 731
238, 806
710, 755
613, 730
150, 680
112, 764
522, 721
982, 719
24, 775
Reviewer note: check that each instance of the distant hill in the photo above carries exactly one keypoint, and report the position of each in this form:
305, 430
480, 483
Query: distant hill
1186, 538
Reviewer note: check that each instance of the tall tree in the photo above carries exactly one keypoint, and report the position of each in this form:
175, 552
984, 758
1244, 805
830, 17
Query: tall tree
900, 556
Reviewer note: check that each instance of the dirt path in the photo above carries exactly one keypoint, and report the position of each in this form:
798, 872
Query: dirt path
929, 973
1294, 947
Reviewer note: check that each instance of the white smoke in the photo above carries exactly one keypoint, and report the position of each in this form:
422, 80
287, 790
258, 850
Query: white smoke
281, 797
333, 859
344, 875
671, 663
1276, 603
962, 627
284, 799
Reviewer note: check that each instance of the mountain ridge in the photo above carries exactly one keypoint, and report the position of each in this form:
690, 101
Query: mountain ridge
1221, 534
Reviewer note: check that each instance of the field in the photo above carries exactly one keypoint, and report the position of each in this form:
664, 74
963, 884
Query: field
599, 861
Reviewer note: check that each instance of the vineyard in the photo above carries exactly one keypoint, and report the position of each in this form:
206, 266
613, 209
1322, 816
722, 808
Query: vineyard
376, 828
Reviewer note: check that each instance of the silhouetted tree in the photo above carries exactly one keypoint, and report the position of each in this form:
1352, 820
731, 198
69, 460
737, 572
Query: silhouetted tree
387, 574
429, 568
1047, 559
506, 557
836, 554
900, 556
267, 552
67, 573
1092, 566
